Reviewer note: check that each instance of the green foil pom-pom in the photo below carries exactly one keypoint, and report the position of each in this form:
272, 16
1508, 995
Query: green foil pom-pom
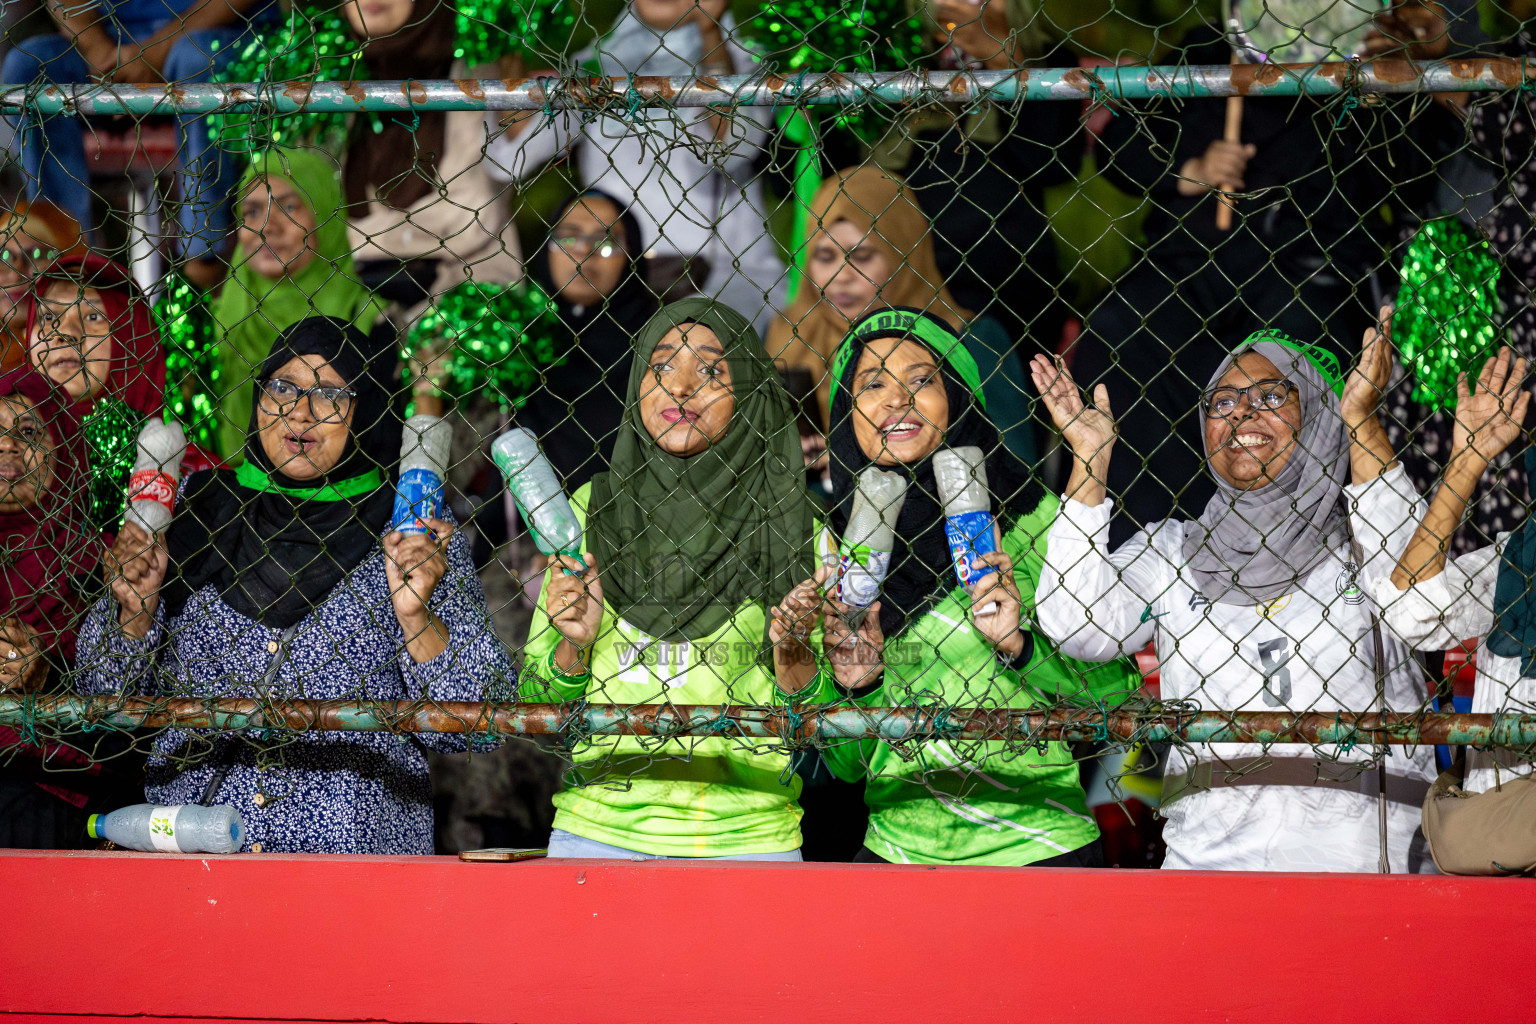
1445, 323
190, 338
111, 442
501, 337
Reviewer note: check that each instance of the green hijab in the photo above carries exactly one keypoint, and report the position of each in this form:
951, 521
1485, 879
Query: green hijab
682, 543
254, 309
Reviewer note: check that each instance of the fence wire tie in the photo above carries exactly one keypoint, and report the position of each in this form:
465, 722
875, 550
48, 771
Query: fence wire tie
546, 89
28, 731
1351, 91
575, 728
1099, 94
410, 106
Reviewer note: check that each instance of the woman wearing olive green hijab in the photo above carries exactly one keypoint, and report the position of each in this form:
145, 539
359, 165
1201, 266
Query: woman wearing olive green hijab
293, 262
698, 528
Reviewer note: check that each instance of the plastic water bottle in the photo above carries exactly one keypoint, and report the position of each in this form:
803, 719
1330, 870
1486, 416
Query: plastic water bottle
423, 465
865, 554
532, 481
961, 474
156, 475
183, 828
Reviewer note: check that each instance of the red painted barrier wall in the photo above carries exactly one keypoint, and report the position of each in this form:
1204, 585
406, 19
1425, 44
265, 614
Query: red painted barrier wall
433, 939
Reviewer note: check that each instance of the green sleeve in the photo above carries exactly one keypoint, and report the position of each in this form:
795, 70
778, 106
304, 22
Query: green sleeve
540, 684
1051, 674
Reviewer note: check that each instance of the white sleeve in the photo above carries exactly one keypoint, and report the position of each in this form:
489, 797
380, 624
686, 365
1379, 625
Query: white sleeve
510, 157
1383, 514
1093, 604
1441, 612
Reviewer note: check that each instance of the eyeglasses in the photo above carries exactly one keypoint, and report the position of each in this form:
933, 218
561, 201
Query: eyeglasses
278, 396
601, 243
1262, 395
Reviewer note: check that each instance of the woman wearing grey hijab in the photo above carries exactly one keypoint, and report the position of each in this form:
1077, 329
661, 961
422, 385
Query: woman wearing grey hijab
1257, 606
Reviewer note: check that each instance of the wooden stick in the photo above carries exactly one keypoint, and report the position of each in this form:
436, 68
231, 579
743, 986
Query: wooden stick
1226, 203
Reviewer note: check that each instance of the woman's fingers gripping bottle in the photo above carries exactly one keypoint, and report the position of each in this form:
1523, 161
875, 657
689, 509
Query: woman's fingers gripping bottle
543, 503
423, 467
156, 476
870, 537
184, 828
961, 474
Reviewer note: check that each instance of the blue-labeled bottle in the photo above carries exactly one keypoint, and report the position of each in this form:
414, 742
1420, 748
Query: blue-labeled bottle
961, 474
423, 467
182, 828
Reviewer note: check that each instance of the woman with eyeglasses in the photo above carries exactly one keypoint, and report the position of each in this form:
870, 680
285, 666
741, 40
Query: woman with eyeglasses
590, 267
280, 580
1259, 605
293, 261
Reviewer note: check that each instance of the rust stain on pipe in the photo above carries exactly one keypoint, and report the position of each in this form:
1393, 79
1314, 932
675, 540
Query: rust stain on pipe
1395, 71
470, 87
298, 92
1246, 76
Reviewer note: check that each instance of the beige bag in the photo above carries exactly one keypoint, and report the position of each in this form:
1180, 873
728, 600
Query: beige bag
1492, 833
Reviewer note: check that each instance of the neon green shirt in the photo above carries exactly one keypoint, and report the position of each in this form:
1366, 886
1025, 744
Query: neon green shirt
681, 797
976, 802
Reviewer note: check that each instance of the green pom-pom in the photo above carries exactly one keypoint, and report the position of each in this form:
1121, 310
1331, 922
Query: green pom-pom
191, 341
314, 44
490, 29
112, 443
501, 337
823, 35
1445, 323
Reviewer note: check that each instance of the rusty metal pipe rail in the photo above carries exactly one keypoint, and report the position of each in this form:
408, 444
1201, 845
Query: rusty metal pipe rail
798, 725
624, 95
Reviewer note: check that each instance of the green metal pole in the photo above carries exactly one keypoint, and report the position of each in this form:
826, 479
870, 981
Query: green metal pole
769, 90
796, 725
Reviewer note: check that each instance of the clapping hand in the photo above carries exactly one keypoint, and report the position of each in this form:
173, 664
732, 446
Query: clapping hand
1490, 417
135, 568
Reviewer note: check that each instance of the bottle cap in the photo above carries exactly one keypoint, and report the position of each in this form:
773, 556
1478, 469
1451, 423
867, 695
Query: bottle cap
91, 828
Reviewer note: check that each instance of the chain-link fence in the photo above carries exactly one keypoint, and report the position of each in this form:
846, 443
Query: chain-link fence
932, 432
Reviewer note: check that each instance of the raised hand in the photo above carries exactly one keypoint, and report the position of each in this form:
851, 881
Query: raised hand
135, 568
995, 603
1088, 428
573, 600
857, 656
1490, 416
22, 666
414, 564
1368, 380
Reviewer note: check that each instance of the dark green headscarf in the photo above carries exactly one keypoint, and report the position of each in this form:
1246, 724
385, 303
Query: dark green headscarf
681, 543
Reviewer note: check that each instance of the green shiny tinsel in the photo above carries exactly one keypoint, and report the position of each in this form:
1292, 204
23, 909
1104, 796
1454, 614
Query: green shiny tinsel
190, 338
502, 335
1446, 306
111, 443
315, 44
821, 35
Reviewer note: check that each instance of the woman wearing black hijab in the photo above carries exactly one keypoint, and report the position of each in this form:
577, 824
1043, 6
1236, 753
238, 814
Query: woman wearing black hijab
277, 580
591, 269
903, 388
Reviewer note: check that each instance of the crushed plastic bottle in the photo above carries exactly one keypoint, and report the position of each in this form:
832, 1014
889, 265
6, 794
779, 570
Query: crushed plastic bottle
423, 467
182, 828
961, 474
156, 476
865, 554
540, 498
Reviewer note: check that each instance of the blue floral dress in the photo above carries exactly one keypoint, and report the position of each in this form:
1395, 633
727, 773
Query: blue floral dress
317, 792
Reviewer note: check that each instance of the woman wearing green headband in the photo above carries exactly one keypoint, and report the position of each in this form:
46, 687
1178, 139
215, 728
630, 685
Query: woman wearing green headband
904, 386
1259, 605
280, 580
698, 526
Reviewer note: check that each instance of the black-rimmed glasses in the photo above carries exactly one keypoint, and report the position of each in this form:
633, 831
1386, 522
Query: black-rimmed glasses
1262, 395
278, 396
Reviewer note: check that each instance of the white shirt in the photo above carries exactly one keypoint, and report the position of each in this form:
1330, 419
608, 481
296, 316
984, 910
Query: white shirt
1310, 650
1455, 606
